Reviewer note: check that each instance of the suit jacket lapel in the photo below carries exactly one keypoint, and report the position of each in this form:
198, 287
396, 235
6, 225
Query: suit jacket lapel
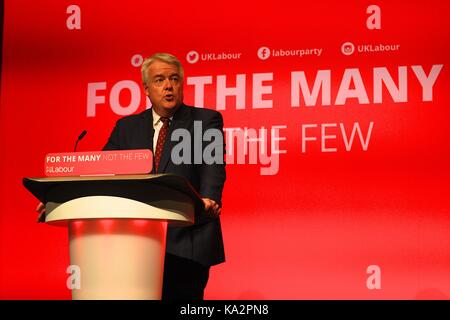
181, 119
147, 129
147, 132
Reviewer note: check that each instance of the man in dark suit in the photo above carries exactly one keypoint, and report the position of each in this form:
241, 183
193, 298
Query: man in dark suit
190, 251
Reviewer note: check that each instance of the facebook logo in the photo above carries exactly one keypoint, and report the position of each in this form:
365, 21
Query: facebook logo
263, 53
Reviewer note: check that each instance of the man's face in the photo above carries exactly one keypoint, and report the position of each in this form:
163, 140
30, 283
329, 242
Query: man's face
164, 88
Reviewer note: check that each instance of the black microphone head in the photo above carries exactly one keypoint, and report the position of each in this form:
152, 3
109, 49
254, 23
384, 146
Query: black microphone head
82, 135
79, 138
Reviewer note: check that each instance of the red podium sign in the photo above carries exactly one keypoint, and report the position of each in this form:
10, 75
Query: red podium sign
98, 163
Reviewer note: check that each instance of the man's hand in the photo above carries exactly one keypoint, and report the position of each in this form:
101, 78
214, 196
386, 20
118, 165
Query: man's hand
41, 210
212, 209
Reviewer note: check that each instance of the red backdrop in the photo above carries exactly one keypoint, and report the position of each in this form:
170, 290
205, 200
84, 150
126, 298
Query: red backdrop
330, 212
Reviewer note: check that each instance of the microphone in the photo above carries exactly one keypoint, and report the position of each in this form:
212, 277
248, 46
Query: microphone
81, 136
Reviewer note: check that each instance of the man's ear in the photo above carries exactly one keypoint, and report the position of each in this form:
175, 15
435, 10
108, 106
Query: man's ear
146, 89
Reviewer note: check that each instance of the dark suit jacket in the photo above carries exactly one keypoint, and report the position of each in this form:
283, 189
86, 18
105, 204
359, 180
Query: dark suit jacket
201, 242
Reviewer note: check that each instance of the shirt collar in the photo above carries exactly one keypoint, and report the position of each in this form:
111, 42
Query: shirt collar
157, 117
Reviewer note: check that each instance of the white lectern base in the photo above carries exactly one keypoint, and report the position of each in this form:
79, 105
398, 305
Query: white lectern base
118, 258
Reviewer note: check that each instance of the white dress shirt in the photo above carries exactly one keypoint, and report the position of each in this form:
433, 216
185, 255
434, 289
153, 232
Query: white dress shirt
157, 125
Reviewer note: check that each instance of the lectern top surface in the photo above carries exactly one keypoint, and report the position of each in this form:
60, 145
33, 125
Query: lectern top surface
42, 188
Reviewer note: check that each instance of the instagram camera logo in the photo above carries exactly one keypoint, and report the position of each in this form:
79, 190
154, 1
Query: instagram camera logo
348, 48
192, 56
263, 53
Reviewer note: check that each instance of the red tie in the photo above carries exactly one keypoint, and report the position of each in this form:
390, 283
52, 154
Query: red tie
161, 138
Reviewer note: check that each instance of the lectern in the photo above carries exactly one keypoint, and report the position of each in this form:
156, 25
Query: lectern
117, 228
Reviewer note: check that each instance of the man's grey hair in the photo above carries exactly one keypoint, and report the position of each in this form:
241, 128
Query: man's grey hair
164, 57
